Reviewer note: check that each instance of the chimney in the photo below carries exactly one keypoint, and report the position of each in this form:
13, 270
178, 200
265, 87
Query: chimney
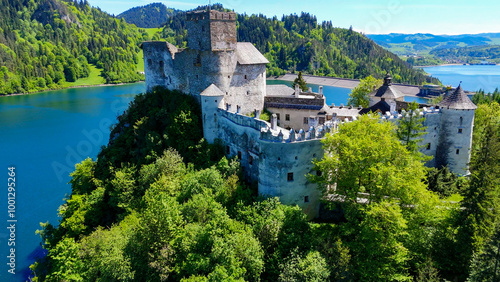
274, 122
297, 90
256, 113
321, 90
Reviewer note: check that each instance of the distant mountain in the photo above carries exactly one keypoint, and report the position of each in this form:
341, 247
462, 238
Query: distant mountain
149, 16
423, 43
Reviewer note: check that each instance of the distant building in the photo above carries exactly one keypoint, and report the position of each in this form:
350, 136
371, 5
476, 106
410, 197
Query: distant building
229, 80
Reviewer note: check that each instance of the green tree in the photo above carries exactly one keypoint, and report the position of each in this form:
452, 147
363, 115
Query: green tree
300, 82
481, 199
411, 127
485, 264
365, 156
378, 246
312, 267
359, 96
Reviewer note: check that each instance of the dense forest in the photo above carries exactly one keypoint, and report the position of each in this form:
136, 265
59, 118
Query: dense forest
45, 43
148, 16
159, 204
300, 43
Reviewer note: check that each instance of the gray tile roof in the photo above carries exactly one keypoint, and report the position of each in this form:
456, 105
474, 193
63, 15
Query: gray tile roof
249, 55
457, 100
387, 90
212, 90
279, 90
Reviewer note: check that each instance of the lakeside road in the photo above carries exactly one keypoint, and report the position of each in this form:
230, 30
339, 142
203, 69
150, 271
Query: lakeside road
406, 89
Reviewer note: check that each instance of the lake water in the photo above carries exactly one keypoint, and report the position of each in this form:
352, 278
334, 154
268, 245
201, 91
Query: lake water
43, 136
473, 77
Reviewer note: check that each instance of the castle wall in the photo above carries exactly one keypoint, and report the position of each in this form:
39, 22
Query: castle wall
457, 127
280, 159
158, 66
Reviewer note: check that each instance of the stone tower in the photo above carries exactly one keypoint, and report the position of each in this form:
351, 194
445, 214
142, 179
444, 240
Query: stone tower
211, 30
455, 135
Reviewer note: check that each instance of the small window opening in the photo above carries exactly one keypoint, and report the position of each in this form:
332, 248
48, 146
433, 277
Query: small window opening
290, 176
458, 151
306, 120
428, 146
278, 116
306, 199
460, 130
296, 158
461, 120
287, 117
239, 155
314, 155
250, 160
245, 76
248, 92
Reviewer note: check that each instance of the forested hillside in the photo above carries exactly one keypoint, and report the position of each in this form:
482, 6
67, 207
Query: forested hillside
148, 16
45, 43
160, 204
472, 54
299, 43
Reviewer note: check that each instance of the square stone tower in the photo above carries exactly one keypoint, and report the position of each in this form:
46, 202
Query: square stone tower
211, 30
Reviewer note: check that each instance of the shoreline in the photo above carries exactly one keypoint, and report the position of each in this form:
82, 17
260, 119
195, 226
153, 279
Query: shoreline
70, 87
440, 65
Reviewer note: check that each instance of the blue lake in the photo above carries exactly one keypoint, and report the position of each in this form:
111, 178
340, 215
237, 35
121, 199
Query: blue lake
473, 77
43, 136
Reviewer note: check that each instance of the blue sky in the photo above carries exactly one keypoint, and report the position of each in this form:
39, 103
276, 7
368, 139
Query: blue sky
368, 16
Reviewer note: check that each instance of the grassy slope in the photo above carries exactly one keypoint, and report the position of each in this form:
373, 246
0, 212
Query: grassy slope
94, 78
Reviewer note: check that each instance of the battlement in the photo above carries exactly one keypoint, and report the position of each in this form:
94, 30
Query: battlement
422, 112
211, 15
278, 134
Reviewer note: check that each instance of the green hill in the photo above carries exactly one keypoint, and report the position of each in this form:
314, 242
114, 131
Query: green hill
49, 44
300, 43
148, 16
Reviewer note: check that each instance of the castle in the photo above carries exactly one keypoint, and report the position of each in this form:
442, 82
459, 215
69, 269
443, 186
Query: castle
229, 80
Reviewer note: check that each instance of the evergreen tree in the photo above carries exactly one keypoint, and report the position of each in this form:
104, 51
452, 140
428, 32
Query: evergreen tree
300, 82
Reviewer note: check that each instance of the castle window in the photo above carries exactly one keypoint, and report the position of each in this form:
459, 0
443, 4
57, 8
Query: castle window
458, 151
215, 101
306, 199
287, 117
245, 76
197, 76
314, 155
278, 116
162, 67
306, 120
248, 92
150, 62
289, 177
296, 157
197, 61
250, 160
428, 146
239, 155
228, 150
461, 120
228, 76
459, 130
